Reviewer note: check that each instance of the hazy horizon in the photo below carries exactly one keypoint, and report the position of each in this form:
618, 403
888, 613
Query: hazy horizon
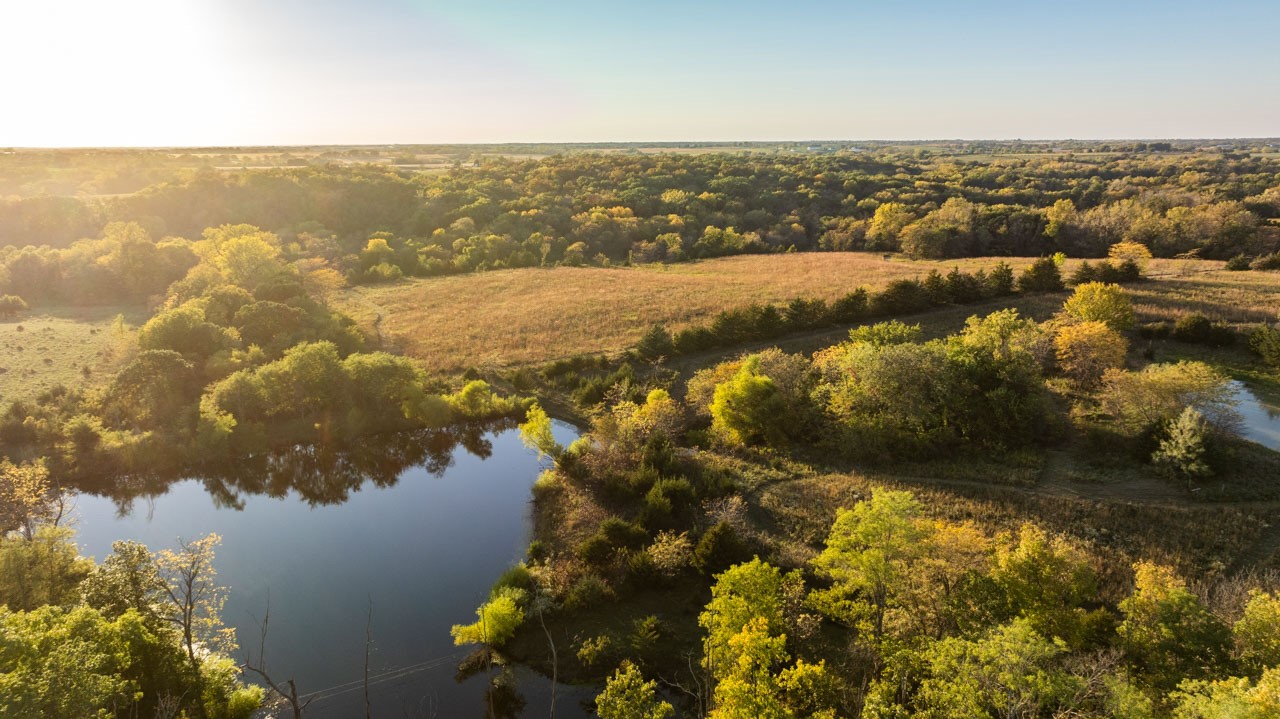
649, 143
228, 73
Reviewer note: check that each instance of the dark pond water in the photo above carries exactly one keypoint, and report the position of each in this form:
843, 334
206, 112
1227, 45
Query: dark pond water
1261, 418
416, 525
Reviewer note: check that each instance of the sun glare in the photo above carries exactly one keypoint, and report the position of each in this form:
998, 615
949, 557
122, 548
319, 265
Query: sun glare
130, 72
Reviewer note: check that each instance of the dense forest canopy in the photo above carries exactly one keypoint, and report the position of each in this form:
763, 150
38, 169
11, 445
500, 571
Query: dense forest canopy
372, 221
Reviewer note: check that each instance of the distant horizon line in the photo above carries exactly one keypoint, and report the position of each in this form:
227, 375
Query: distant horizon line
650, 143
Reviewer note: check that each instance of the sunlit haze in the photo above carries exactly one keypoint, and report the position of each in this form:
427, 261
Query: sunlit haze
223, 72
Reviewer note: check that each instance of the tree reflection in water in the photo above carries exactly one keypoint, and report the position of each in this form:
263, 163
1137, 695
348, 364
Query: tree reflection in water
320, 474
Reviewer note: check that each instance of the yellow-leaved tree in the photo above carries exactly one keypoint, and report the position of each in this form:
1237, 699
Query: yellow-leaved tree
1086, 350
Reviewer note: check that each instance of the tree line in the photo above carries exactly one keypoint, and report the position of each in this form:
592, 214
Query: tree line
377, 223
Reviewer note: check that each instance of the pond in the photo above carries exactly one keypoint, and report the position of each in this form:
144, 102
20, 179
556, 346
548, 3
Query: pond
415, 527
1261, 417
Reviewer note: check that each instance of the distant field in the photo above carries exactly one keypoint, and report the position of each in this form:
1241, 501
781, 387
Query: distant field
52, 346
531, 316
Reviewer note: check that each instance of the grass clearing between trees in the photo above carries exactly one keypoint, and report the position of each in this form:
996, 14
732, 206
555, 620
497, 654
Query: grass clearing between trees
515, 318
53, 346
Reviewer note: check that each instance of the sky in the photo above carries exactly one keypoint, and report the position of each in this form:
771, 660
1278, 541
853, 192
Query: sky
263, 72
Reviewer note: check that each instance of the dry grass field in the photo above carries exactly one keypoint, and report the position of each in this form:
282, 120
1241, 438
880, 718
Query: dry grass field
54, 346
514, 318
530, 316
1234, 297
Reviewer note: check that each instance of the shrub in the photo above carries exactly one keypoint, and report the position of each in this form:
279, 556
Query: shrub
589, 591
594, 649
1155, 330
1000, 282
670, 553
1265, 340
1266, 262
499, 618
1042, 276
1257, 633
622, 533
1239, 263
719, 549
901, 297
516, 577
656, 343
595, 550
11, 305
1197, 329
850, 308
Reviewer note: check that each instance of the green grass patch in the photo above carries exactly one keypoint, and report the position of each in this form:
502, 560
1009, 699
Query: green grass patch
72, 346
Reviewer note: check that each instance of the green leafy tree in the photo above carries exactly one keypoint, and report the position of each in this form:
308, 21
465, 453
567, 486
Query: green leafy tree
1012, 671
1061, 216
627, 695
1257, 632
748, 687
747, 591
1233, 698
1047, 581
882, 334
746, 409
184, 330
535, 433
246, 256
27, 499
886, 223
43, 569
1167, 634
868, 555
151, 392
193, 602
128, 579
60, 663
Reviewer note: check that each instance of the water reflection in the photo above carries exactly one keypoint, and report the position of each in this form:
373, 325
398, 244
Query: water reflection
1261, 419
418, 525
322, 475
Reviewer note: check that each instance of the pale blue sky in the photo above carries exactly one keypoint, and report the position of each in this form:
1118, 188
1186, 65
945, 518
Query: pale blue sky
216, 72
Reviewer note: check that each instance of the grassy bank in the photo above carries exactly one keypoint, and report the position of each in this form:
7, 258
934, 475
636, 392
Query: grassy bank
70, 346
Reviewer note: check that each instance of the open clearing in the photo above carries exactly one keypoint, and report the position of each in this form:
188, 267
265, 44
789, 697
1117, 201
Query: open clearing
513, 318
52, 346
